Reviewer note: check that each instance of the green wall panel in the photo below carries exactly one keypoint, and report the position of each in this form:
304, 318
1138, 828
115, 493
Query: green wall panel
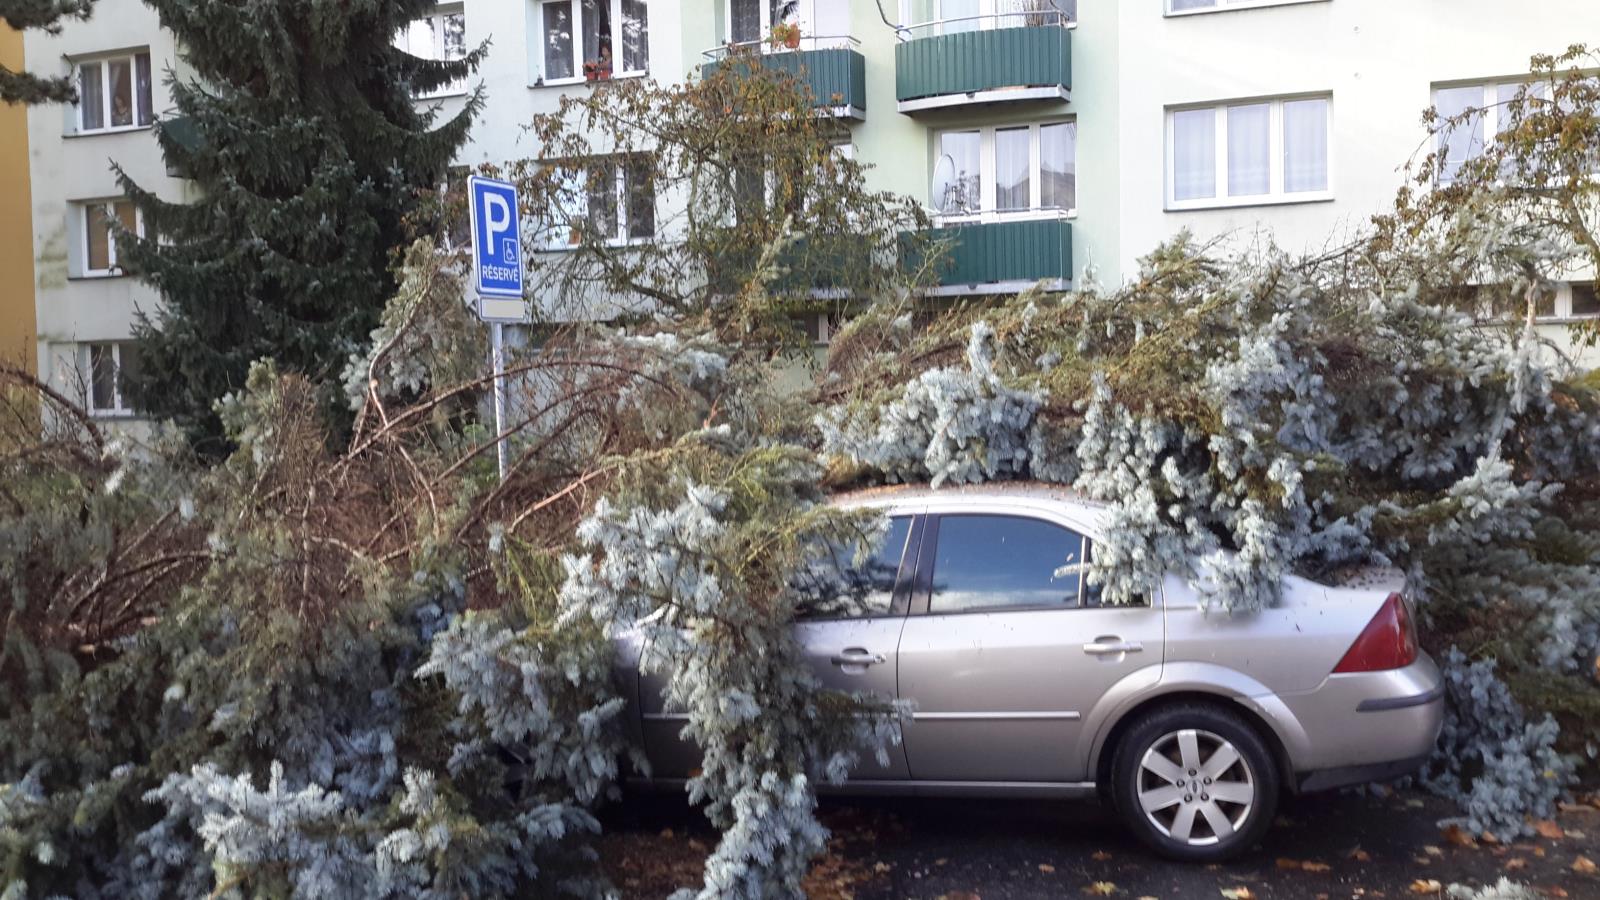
983, 61
1006, 251
836, 76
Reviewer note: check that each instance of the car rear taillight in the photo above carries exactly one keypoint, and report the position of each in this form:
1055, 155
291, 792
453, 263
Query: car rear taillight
1388, 642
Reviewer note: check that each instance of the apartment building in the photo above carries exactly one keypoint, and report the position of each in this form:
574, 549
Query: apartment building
1056, 140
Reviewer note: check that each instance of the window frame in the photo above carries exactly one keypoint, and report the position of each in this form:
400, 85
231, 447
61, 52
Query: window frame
988, 168
577, 76
1276, 163
580, 169
109, 206
104, 61
922, 589
989, 17
1220, 6
120, 408
1494, 93
438, 52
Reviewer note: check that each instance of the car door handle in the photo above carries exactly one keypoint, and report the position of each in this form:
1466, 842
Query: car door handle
1109, 644
855, 656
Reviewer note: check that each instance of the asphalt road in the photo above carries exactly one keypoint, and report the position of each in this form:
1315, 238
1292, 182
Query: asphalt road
1329, 845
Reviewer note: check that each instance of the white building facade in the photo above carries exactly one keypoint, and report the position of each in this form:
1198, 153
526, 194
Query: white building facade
1057, 140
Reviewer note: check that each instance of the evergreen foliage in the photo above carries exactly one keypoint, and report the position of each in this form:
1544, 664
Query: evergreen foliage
47, 16
307, 152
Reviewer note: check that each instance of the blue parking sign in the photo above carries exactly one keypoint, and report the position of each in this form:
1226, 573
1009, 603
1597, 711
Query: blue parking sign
496, 238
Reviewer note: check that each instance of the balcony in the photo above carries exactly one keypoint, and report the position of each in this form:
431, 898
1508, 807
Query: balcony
1006, 58
1003, 257
832, 69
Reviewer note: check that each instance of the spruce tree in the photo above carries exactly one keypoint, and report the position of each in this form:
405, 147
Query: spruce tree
301, 133
46, 15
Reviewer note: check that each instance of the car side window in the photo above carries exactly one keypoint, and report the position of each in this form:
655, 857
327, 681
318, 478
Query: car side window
837, 589
1000, 562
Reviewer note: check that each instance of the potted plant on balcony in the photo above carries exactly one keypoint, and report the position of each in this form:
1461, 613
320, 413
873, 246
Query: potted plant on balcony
785, 34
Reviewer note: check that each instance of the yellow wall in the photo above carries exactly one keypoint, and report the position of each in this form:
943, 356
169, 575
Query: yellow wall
17, 328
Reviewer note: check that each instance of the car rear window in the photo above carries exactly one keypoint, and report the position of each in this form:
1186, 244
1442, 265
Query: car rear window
838, 590
1000, 562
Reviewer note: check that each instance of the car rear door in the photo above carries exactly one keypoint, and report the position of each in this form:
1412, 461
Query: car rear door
1006, 649
851, 639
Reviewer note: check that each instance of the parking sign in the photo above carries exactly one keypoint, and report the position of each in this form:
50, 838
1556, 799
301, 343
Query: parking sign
496, 238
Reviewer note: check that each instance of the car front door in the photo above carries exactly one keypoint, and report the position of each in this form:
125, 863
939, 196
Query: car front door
1006, 650
850, 634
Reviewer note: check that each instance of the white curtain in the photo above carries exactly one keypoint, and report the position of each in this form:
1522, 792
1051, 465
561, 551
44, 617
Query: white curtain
1465, 140
1305, 145
1013, 184
1194, 154
1058, 170
1249, 150
964, 192
959, 9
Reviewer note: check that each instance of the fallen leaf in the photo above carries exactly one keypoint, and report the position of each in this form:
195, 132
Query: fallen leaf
1515, 863
1309, 866
1286, 863
1557, 892
1575, 834
1360, 855
882, 867
1100, 856
1454, 835
1238, 893
1046, 868
940, 861
1426, 886
1431, 850
1583, 865
1547, 828
1422, 860
1539, 852
1488, 838
1101, 889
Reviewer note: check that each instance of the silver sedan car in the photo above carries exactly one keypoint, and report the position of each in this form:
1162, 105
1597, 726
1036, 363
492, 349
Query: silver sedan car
1189, 724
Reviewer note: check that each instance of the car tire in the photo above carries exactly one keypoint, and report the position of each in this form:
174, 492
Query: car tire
1160, 786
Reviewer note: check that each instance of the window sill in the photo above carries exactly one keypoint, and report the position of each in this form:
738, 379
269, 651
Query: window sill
111, 415
579, 79
442, 95
1224, 7
99, 132
99, 276
1174, 206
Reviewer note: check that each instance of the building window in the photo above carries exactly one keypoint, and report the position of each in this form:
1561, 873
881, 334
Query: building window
109, 367
611, 199
441, 35
1018, 171
973, 15
1266, 151
1181, 7
100, 256
1483, 106
114, 93
593, 38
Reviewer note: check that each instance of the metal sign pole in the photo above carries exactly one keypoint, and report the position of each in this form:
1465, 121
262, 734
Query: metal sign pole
497, 278
497, 356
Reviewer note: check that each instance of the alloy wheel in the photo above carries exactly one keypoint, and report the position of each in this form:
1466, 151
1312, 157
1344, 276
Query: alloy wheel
1195, 787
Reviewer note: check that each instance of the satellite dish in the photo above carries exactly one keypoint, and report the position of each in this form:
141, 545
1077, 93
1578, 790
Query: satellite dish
944, 175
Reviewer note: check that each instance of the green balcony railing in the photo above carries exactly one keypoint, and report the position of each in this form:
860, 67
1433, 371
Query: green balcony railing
1004, 252
996, 59
835, 76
